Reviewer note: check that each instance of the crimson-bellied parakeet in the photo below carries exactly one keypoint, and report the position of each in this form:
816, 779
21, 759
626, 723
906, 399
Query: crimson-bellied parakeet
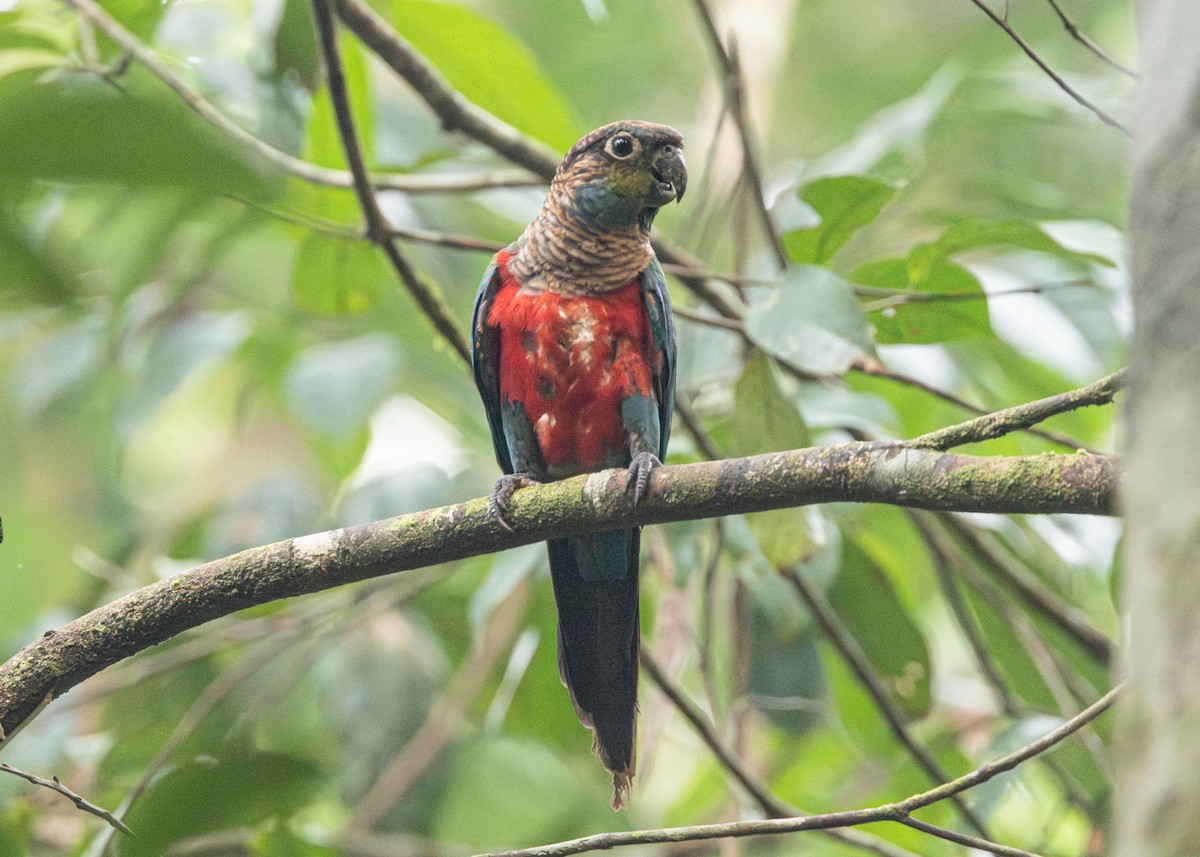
573, 349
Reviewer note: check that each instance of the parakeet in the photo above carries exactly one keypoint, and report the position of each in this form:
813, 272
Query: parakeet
573, 350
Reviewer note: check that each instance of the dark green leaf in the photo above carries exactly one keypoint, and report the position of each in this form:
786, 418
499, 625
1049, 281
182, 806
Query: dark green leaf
28, 272
863, 597
786, 680
764, 420
1011, 655
234, 786
295, 46
845, 204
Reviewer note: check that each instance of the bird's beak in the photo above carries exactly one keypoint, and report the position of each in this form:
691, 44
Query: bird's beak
670, 172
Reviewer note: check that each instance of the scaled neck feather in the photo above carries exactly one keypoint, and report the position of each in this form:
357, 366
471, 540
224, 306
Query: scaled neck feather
565, 251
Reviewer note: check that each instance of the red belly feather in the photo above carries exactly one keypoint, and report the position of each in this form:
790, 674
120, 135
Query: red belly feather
571, 361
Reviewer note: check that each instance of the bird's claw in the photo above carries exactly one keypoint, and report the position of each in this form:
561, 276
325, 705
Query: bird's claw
639, 474
502, 493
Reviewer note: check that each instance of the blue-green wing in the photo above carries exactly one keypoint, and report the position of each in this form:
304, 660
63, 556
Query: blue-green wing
662, 326
485, 362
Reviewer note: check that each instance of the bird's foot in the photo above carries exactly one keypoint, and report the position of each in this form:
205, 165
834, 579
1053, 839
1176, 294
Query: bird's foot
502, 493
639, 474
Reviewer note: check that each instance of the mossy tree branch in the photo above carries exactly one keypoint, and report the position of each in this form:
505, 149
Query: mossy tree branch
854, 472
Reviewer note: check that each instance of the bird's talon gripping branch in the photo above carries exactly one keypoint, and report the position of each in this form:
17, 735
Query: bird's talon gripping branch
639, 474
502, 493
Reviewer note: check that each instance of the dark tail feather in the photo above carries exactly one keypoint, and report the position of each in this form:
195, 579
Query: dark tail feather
598, 638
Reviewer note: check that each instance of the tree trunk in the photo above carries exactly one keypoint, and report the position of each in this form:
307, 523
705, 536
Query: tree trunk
1158, 776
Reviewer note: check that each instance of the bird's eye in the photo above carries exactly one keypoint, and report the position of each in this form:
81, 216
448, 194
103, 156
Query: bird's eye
622, 146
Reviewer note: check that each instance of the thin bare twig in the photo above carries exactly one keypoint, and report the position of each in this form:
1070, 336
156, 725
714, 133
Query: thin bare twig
704, 728
771, 805
1034, 594
1022, 417
943, 563
204, 704
710, 320
735, 96
379, 231
1081, 37
695, 427
445, 715
877, 369
871, 366
950, 564
55, 785
416, 183
889, 298
841, 638
964, 839
895, 812
1044, 66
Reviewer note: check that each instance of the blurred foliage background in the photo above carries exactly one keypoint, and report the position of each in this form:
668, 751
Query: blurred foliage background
199, 354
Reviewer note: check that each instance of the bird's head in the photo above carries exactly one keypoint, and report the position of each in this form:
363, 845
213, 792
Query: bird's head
619, 176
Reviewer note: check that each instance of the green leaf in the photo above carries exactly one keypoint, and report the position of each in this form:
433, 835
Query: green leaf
888, 635
337, 276
28, 272
237, 786
504, 791
489, 66
295, 46
924, 321
811, 321
141, 136
764, 419
973, 234
279, 841
36, 28
786, 680
1012, 658
323, 143
846, 204
22, 59
141, 17
16, 830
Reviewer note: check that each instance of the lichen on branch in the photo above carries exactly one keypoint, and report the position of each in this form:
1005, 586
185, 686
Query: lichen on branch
1081, 483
